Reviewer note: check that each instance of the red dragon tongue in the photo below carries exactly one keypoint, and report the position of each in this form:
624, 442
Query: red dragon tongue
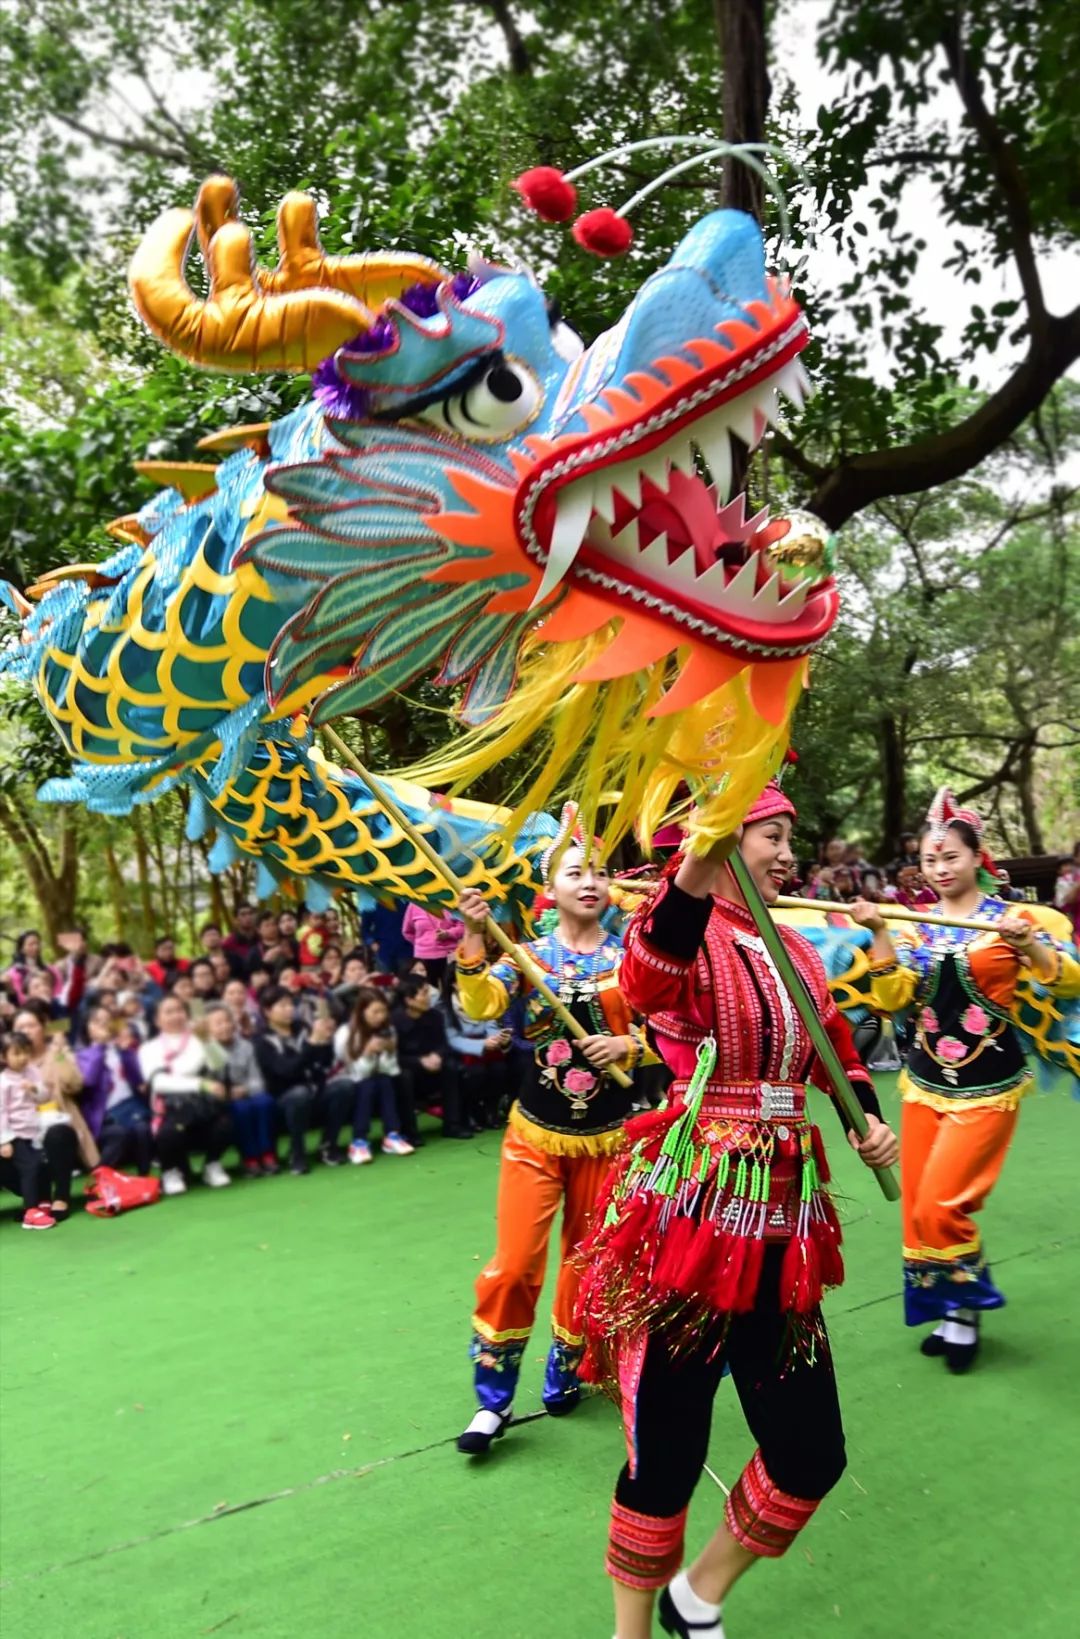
685, 512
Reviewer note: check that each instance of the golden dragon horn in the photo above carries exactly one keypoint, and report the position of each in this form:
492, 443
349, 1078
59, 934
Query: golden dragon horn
286, 320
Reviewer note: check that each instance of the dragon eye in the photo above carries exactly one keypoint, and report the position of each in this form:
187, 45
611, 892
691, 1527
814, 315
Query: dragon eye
505, 398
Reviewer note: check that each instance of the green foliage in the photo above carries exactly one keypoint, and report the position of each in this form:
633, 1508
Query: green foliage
409, 119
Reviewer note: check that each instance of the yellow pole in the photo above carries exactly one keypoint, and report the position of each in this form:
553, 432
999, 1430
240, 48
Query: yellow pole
517, 954
891, 913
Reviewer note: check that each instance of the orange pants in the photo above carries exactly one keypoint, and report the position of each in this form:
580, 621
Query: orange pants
949, 1163
531, 1187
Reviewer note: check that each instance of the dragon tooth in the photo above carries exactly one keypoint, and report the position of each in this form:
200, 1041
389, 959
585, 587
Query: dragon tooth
767, 599
739, 593
627, 542
709, 586
769, 405
627, 480
603, 498
655, 466
655, 556
792, 604
681, 454
685, 567
573, 509
805, 381
791, 384
740, 419
714, 442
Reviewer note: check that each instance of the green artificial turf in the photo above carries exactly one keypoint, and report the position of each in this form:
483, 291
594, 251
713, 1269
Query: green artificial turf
235, 1413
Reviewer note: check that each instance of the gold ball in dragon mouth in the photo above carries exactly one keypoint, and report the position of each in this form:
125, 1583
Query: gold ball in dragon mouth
807, 546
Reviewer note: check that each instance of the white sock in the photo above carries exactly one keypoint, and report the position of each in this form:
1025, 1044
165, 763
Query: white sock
960, 1331
939, 1331
689, 1605
487, 1422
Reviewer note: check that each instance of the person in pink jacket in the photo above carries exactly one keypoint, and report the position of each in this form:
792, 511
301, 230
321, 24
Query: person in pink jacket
433, 937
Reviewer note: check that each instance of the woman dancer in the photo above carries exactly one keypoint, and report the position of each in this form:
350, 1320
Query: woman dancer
966, 1072
561, 1132
718, 1239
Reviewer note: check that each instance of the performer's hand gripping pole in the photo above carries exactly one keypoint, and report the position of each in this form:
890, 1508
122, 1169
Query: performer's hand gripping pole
520, 957
774, 944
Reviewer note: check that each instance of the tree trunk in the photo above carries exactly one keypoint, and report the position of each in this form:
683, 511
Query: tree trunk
146, 902
55, 886
740, 25
117, 896
1025, 788
893, 783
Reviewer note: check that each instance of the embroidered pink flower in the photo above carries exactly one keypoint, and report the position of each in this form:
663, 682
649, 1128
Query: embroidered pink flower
951, 1050
929, 1021
579, 1081
558, 1052
974, 1020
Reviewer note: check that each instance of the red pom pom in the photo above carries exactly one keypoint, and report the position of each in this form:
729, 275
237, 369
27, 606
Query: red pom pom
603, 232
546, 191
791, 755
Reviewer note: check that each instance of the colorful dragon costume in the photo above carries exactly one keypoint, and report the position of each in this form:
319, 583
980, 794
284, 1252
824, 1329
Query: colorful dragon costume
470, 494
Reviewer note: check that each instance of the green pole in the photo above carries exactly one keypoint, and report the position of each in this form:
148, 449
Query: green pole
774, 944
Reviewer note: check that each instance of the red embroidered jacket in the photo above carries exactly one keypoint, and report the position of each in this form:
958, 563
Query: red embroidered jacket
695, 965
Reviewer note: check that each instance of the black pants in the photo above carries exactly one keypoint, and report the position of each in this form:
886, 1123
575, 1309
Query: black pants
23, 1172
418, 1087
179, 1138
125, 1139
375, 1095
303, 1107
485, 1088
43, 1175
791, 1407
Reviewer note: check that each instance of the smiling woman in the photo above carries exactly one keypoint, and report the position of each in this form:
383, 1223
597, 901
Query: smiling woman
717, 1238
563, 1127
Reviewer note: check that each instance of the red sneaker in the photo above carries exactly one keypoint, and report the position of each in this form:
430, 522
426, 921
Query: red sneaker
38, 1218
253, 1168
269, 1163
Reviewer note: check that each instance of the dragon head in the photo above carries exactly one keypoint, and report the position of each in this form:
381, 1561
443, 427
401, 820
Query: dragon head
548, 526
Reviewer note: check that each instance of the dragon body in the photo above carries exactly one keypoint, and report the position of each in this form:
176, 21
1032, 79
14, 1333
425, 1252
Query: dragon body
470, 494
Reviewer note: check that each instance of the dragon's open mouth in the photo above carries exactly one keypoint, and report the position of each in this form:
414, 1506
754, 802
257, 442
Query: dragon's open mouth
628, 510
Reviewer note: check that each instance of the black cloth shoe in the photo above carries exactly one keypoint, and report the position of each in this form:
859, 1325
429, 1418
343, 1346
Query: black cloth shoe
933, 1346
960, 1357
298, 1166
476, 1440
332, 1155
673, 1621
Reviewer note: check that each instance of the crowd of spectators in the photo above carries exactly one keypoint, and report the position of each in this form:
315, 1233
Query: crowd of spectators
276, 1047
281, 1042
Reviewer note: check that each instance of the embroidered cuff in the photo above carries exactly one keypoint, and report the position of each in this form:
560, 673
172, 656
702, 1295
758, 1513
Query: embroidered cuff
763, 1519
644, 1551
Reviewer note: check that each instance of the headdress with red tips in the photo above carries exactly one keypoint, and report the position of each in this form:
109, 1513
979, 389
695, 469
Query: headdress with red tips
571, 834
606, 231
943, 812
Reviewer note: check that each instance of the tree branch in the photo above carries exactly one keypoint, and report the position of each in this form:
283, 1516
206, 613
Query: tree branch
1003, 162
795, 457
521, 62
860, 480
126, 145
